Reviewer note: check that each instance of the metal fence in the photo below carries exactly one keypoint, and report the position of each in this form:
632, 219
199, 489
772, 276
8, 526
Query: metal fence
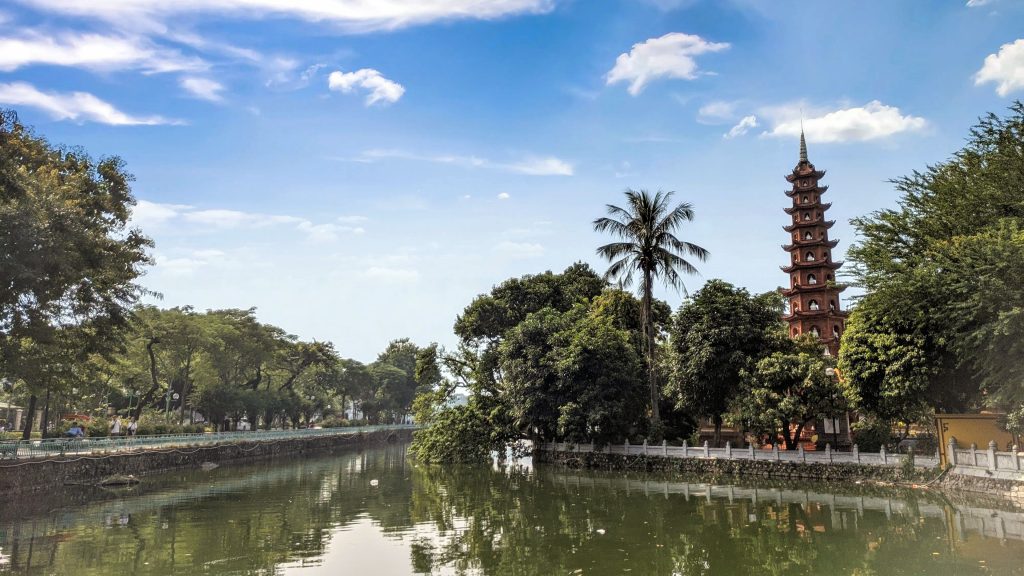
55, 447
827, 456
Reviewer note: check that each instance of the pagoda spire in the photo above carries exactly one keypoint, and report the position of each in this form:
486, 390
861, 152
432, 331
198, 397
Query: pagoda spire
803, 143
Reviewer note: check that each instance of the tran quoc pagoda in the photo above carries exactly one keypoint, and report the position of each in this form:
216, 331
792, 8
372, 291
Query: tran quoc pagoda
812, 298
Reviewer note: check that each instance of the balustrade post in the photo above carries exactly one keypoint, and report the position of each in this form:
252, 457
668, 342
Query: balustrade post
1015, 457
706, 452
828, 451
974, 454
752, 453
684, 449
856, 453
664, 448
625, 447
803, 456
728, 450
645, 446
992, 465
883, 455
951, 451
775, 452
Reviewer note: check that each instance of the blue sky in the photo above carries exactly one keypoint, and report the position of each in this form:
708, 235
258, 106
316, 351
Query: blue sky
358, 170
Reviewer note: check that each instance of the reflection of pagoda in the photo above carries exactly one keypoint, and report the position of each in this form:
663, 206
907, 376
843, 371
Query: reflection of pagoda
813, 296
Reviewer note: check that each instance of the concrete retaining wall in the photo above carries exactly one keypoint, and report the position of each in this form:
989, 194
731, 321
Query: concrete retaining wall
44, 475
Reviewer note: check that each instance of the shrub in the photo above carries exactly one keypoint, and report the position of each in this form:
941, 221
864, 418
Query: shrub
456, 434
871, 434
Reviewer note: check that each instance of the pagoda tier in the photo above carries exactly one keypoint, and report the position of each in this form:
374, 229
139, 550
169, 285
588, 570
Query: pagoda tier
810, 243
811, 265
809, 224
808, 206
801, 289
815, 174
819, 190
821, 313
812, 296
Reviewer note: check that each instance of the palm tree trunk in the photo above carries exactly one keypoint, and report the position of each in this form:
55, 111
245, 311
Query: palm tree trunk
648, 328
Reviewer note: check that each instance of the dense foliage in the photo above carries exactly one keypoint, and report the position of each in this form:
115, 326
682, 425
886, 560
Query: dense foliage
942, 325
68, 259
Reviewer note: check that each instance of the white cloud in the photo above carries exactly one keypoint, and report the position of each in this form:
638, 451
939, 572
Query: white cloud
531, 165
189, 263
221, 218
351, 15
742, 128
77, 106
91, 51
1005, 68
869, 122
977, 3
147, 214
203, 88
670, 56
151, 215
717, 113
397, 275
520, 250
379, 88
327, 232
546, 166
504, 196
355, 219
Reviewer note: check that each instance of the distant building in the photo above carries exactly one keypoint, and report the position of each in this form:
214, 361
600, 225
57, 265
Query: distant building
812, 299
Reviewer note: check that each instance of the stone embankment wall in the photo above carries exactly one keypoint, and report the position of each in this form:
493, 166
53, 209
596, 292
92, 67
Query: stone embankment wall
44, 475
719, 467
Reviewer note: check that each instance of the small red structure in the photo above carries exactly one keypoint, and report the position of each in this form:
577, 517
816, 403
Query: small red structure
812, 299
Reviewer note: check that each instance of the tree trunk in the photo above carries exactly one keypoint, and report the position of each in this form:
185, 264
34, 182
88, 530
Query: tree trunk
29, 418
717, 439
647, 326
186, 387
792, 438
154, 383
44, 425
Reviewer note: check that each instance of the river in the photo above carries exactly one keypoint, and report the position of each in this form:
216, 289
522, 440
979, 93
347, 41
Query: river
377, 513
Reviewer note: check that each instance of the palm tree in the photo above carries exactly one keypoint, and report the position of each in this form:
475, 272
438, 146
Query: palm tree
648, 247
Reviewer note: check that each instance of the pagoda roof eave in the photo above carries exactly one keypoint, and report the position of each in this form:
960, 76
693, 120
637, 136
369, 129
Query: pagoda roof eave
815, 314
796, 174
812, 289
794, 191
809, 223
811, 264
809, 243
797, 208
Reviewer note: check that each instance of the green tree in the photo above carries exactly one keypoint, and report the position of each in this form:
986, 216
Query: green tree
718, 334
945, 285
648, 247
785, 391
68, 259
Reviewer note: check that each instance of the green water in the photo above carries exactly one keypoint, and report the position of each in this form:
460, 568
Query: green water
376, 513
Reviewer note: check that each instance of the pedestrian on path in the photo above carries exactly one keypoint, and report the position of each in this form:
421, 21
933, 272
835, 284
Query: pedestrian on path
115, 426
133, 426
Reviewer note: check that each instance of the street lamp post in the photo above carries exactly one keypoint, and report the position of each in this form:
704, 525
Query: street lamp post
831, 373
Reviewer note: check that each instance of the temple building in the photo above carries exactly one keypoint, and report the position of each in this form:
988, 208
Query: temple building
812, 298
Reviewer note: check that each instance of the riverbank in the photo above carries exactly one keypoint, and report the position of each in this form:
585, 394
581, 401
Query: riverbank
47, 474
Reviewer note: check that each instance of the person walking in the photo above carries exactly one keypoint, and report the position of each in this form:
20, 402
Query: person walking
115, 426
133, 426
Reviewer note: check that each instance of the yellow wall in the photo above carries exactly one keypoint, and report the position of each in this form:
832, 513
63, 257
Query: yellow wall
979, 429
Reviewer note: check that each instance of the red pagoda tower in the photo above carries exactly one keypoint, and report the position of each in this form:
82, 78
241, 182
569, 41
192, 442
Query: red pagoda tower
813, 296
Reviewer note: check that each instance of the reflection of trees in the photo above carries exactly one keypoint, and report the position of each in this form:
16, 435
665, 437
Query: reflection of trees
255, 519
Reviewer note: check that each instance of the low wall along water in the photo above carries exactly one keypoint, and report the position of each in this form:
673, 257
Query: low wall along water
39, 474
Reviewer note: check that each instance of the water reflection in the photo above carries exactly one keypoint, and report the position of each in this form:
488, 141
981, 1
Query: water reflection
376, 513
